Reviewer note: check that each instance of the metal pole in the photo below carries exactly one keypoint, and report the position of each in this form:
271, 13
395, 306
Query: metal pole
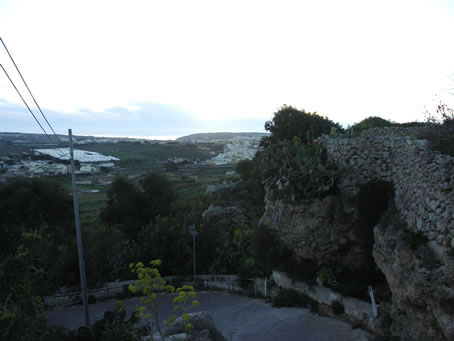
193, 248
83, 280
372, 298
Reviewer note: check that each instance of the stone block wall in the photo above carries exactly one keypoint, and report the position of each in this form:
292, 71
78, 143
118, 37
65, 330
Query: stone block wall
355, 308
423, 179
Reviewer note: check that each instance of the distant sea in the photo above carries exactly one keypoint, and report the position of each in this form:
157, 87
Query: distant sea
168, 137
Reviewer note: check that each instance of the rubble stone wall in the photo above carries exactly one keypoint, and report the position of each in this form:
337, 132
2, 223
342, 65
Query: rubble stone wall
423, 179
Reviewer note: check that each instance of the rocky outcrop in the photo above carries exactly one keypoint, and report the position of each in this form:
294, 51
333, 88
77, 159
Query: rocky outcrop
320, 231
390, 176
235, 214
421, 282
203, 328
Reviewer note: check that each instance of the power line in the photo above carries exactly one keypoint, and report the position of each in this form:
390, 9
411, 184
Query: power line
63, 154
11, 57
31, 112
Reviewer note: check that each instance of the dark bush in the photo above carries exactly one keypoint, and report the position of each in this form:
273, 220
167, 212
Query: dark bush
292, 298
290, 124
132, 207
337, 307
91, 299
313, 306
369, 123
286, 298
440, 129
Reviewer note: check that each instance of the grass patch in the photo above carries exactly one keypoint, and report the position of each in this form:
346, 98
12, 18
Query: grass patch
138, 153
13, 149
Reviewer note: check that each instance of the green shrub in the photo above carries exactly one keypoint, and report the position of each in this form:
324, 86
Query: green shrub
369, 123
337, 307
291, 124
440, 129
294, 166
326, 276
298, 172
313, 306
132, 206
285, 298
91, 299
113, 327
21, 308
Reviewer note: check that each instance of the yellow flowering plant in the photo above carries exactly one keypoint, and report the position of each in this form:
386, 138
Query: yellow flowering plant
150, 284
183, 302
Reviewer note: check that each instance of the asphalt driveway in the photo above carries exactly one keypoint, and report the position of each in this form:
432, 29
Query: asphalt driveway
237, 317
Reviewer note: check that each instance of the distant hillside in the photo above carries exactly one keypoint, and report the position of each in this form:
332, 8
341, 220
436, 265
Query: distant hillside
220, 137
32, 138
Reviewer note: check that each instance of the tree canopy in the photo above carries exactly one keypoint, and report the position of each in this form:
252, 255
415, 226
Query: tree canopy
34, 205
133, 206
159, 192
289, 123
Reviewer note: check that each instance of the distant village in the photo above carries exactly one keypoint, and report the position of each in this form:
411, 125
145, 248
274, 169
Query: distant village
55, 161
236, 150
237, 146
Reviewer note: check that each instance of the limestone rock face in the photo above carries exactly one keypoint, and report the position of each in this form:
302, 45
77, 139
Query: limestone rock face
235, 214
421, 280
421, 284
320, 231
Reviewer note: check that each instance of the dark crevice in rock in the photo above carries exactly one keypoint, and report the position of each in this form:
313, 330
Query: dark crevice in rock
373, 200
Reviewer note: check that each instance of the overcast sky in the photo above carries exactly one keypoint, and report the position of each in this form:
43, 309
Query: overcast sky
172, 68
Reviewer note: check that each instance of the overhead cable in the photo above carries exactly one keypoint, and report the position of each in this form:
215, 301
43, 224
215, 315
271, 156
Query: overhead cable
29, 91
31, 112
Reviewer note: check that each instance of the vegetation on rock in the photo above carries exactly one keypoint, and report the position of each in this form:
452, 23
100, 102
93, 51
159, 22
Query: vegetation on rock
440, 130
369, 123
289, 124
291, 163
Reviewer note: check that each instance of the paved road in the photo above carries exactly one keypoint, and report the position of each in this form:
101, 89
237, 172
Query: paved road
237, 317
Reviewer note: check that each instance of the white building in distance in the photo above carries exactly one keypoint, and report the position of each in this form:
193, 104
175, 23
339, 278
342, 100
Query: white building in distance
79, 155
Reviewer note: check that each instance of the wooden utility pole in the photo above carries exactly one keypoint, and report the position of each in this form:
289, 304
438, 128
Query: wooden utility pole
83, 280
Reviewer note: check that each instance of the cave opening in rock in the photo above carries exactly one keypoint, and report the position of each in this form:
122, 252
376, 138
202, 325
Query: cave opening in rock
374, 199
